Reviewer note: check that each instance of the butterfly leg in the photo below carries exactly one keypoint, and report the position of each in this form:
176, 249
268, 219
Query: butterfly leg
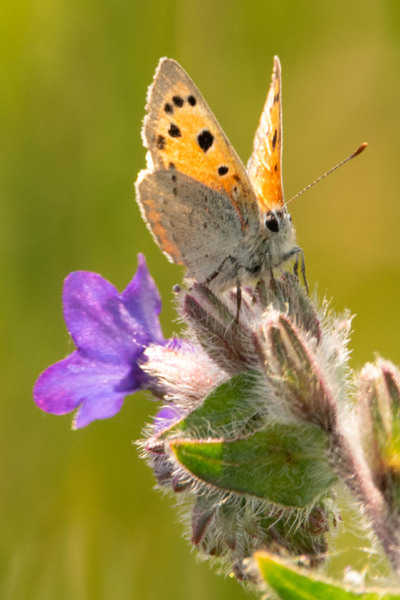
238, 286
238, 298
303, 267
299, 254
215, 273
260, 293
272, 281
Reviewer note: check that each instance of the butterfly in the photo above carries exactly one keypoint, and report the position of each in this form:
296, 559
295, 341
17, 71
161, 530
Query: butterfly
226, 224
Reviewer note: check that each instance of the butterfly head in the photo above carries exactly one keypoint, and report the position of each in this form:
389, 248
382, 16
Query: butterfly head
279, 235
275, 220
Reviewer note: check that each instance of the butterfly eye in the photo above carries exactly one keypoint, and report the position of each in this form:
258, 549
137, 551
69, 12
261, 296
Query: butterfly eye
271, 222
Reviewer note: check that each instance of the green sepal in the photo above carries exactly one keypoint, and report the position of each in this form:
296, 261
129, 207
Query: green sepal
226, 410
286, 464
291, 584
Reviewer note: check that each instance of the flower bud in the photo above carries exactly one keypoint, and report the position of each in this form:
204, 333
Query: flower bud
379, 414
292, 361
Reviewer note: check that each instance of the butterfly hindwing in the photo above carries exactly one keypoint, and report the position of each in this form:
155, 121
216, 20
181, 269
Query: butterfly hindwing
188, 220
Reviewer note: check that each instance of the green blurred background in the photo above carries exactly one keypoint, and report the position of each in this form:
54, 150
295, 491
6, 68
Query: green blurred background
78, 516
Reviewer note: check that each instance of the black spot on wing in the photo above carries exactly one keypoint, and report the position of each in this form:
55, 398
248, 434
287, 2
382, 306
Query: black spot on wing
222, 170
205, 140
168, 108
192, 100
274, 139
174, 131
178, 101
160, 142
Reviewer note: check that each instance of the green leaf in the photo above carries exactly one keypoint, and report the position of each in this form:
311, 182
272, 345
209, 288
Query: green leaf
286, 464
291, 584
228, 409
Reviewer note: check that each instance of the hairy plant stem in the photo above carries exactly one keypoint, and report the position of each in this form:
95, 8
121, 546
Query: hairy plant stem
354, 471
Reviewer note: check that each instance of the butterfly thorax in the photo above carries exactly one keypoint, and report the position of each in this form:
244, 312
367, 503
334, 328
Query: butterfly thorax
261, 250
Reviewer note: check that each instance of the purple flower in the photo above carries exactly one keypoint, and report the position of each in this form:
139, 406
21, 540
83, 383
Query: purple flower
111, 332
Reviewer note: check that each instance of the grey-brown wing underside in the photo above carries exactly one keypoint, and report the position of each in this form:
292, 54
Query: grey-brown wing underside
193, 224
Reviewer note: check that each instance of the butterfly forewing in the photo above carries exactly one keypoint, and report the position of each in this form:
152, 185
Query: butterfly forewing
181, 133
265, 165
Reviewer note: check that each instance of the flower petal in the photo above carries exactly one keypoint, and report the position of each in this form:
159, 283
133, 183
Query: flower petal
109, 326
77, 380
111, 332
166, 417
102, 406
142, 300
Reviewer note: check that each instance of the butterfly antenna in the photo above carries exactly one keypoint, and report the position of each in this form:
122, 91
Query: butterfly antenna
353, 155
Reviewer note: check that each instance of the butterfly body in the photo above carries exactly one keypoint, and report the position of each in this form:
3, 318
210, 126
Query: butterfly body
226, 224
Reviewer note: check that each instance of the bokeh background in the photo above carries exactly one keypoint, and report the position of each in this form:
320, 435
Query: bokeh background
78, 516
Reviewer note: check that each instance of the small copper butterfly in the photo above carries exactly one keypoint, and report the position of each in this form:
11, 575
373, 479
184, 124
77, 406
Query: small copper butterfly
226, 224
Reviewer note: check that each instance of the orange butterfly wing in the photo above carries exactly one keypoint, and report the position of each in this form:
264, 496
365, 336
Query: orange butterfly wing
265, 165
181, 132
